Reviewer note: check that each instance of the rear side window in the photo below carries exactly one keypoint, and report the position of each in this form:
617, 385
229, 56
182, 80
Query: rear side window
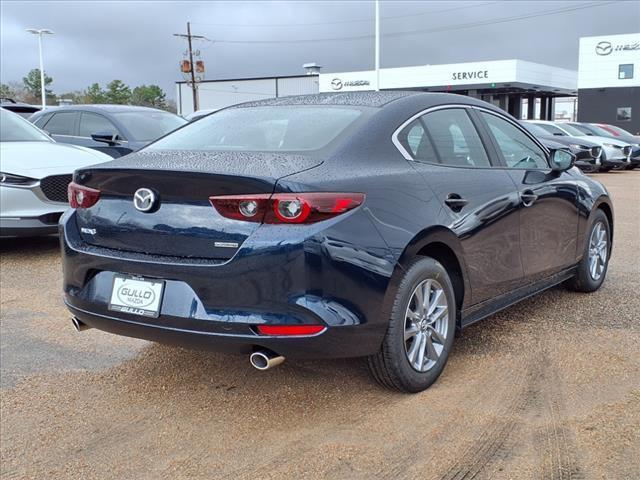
62, 123
91, 123
446, 137
40, 121
518, 150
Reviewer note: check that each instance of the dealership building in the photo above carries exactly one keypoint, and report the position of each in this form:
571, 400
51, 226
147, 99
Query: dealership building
607, 84
524, 89
609, 80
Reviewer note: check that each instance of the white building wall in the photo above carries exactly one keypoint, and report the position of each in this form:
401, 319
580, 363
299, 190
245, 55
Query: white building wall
470, 74
600, 59
224, 93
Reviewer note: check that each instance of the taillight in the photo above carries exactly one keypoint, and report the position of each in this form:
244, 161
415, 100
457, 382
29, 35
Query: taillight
81, 196
290, 330
307, 207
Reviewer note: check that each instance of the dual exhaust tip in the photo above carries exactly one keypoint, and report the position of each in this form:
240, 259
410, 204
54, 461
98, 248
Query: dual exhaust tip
262, 359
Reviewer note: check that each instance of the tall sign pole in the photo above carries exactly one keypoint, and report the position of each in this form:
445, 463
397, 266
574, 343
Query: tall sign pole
192, 73
377, 48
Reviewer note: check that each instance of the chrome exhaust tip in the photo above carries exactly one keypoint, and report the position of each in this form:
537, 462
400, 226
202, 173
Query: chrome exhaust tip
265, 359
79, 325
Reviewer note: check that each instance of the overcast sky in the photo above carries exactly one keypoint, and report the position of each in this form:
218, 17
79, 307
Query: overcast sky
133, 41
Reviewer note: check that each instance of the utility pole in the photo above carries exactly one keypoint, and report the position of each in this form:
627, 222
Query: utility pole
189, 37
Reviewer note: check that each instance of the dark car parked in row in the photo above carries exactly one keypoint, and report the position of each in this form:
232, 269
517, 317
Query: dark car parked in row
116, 130
331, 225
23, 109
587, 153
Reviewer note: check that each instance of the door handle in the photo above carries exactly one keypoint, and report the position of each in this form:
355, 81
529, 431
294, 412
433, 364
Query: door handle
528, 198
455, 202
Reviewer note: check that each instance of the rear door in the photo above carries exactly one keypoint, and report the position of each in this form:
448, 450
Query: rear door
548, 200
478, 203
62, 126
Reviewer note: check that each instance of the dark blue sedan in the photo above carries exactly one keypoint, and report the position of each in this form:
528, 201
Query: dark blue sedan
333, 225
116, 130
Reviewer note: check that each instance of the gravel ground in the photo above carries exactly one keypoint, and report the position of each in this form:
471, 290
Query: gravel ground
549, 388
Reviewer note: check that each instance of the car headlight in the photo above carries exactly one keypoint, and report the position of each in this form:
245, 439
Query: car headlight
18, 180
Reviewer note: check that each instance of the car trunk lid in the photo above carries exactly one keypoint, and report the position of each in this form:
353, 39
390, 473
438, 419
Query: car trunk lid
182, 222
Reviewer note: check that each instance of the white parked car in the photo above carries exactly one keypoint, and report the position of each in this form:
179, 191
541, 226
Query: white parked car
615, 155
34, 174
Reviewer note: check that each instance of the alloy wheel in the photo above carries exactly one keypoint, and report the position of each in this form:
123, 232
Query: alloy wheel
426, 325
598, 250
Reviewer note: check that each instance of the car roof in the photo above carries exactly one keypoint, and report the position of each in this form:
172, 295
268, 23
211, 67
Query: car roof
365, 99
103, 108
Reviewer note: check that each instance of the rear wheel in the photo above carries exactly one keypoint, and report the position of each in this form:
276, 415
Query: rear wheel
592, 269
421, 329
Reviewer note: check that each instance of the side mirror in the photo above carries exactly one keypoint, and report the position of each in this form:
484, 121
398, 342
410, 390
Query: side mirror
562, 160
110, 138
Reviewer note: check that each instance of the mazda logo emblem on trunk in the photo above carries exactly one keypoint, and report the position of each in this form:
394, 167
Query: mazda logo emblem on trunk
144, 199
604, 48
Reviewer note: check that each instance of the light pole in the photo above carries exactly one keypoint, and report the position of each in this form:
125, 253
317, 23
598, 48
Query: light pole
377, 44
40, 32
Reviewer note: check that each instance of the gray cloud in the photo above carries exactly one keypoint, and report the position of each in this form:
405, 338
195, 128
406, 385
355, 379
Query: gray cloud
133, 41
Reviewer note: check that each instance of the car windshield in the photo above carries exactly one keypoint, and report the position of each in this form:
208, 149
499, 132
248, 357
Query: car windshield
146, 126
14, 128
552, 129
574, 131
596, 130
620, 131
266, 129
535, 130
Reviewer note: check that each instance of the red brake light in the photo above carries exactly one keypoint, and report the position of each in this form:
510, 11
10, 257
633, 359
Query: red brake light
293, 208
284, 330
81, 196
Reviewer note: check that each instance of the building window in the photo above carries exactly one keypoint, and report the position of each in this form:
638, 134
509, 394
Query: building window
624, 114
625, 71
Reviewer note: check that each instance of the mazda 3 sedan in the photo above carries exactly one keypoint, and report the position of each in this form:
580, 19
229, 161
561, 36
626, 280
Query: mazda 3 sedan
334, 225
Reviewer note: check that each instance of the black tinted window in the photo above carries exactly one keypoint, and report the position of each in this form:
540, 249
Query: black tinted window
455, 138
518, 150
417, 143
61, 123
93, 123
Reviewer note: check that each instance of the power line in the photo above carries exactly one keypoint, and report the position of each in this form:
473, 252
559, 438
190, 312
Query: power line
432, 30
338, 22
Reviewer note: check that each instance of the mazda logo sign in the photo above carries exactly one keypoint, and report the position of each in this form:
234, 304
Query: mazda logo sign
144, 199
336, 84
604, 48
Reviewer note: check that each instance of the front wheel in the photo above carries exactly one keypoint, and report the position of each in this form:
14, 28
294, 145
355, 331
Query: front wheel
592, 269
421, 329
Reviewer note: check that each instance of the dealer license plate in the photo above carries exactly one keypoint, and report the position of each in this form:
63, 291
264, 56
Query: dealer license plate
136, 295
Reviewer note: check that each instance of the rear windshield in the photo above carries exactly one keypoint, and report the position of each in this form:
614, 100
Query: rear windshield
145, 126
264, 129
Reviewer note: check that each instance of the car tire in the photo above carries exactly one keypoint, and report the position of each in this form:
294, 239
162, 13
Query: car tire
392, 366
585, 280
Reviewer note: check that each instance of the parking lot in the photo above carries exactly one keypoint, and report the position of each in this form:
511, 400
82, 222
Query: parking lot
547, 389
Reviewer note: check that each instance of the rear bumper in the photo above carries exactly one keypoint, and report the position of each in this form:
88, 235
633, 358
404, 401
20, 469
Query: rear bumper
217, 306
29, 227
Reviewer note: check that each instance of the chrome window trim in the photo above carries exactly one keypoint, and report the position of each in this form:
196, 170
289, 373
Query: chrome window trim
407, 155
